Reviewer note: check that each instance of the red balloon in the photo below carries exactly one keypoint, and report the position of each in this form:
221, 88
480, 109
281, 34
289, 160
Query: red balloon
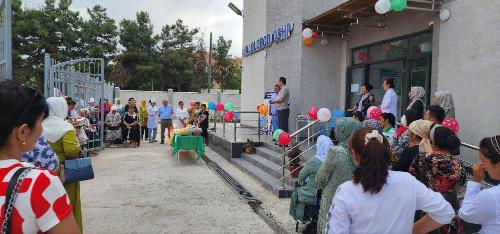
363, 56
284, 138
452, 124
229, 116
315, 35
219, 107
313, 113
375, 114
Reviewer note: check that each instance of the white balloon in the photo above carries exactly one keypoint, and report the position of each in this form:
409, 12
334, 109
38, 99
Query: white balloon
324, 41
425, 47
383, 6
307, 33
324, 115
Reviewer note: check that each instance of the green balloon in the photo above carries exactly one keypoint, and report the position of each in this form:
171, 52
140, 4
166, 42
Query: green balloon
398, 5
277, 133
228, 106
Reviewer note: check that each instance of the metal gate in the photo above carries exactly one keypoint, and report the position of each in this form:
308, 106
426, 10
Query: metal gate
83, 81
5, 39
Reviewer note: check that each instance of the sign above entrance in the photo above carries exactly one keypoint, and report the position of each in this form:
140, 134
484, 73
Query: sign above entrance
277, 35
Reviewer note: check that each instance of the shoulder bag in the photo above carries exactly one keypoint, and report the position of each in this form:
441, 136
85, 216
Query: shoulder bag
79, 169
11, 195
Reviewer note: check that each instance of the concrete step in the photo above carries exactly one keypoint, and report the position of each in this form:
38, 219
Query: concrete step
270, 155
268, 181
269, 167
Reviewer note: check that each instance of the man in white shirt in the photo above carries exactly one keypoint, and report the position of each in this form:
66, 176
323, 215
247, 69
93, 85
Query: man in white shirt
390, 101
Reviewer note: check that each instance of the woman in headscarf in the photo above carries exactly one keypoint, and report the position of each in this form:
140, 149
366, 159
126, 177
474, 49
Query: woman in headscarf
305, 191
113, 131
119, 107
143, 118
337, 167
417, 95
61, 136
418, 137
404, 139
445, 100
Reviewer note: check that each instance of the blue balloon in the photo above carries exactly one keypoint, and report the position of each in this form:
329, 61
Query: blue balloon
338, 113
211, 105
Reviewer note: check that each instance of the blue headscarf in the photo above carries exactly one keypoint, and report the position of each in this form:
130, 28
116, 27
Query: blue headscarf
323, 144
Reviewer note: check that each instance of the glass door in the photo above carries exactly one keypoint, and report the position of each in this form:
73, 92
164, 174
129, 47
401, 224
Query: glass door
357, 76
387, 70
419, 73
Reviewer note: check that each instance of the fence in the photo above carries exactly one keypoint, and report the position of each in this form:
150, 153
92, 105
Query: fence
83, 80
5, 39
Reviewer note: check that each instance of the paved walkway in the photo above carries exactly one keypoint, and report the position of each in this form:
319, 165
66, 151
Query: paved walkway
143, 190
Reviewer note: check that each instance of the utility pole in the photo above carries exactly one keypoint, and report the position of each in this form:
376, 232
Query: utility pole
210, 64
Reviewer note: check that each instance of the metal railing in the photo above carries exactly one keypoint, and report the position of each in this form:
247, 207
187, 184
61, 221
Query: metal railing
235, 123
488, 182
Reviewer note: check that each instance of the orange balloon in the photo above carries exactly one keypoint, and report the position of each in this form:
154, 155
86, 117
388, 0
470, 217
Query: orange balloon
263, 110
308, 41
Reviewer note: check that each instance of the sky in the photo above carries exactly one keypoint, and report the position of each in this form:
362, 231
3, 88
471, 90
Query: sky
208, 15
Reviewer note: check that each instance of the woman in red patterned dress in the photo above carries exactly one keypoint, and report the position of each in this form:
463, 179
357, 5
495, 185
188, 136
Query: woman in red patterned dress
39, 202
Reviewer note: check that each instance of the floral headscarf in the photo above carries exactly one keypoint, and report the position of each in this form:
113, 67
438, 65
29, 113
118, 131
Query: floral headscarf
344, 128
373, 124
445, 100
422, 129
416, 93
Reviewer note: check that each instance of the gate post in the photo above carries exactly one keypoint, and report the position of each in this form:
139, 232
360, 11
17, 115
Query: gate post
103, 82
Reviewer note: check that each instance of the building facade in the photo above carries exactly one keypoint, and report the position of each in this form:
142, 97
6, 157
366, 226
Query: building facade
417, 47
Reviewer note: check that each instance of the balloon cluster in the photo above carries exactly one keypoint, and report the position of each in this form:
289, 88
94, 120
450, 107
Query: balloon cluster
308, 36
282, 137
323, 114
384, 6
262, 109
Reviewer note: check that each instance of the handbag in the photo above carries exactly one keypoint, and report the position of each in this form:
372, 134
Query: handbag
11, 195
113, 127
79, 169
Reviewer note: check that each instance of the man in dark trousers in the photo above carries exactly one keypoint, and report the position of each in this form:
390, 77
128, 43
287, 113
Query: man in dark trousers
283, 104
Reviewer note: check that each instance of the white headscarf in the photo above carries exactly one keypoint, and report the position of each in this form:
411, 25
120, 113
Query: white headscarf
54, 127
323, 144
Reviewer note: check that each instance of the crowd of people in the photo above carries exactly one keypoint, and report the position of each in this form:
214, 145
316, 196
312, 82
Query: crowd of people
387, 177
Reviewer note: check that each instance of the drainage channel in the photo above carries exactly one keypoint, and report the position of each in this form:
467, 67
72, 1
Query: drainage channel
253, 202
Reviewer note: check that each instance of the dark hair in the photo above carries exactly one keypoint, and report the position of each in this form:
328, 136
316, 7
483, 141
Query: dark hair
283, 80
367, 86
375, 158
490, 149
203, 105
436, 112
130, 99
371, 95
391, 82
358, 115
30, 104
390, 117
276, 85
411, 115
70, 101
181, 102
445, 139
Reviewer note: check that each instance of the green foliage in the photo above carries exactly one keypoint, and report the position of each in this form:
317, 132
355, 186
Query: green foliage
176, 58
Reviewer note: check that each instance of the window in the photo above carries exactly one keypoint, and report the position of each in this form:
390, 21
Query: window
389, 50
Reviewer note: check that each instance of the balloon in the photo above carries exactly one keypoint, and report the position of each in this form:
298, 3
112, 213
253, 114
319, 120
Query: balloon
229, 116
263, 110
338, 113
206, 104
383, 6
229, 106
452, 124
324, 41
211, 105
307, 33
284, 138
277, 133
426, 47
258, 106
308, 41
313, 113
324, 114
398, 5
219, 107
375, 114
370, 110
363, 56
315, 35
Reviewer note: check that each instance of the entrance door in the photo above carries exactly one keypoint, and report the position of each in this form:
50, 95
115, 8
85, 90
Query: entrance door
387, 70
357, 79
419, 74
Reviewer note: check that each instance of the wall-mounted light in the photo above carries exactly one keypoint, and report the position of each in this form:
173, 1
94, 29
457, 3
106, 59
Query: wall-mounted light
235, 9
444, 15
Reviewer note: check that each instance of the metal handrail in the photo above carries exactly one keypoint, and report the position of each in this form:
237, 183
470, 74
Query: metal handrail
282, 178
298, 145
486, 183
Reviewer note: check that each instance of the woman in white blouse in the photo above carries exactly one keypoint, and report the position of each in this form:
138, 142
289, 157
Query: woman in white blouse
378, 200
483, 207
181, 114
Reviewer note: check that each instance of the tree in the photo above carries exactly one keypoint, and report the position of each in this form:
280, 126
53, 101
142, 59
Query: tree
225, 69
100, 33
199, 59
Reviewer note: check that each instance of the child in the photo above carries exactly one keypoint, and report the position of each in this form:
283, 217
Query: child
389, 122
